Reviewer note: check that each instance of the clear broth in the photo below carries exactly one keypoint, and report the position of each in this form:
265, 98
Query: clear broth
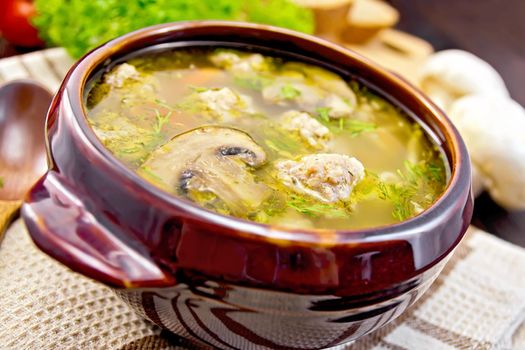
405, 171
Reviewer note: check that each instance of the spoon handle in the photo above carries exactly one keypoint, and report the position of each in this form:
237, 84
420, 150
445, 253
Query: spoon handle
8, 210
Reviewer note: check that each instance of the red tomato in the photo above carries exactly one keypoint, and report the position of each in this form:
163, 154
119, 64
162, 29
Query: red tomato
15, 23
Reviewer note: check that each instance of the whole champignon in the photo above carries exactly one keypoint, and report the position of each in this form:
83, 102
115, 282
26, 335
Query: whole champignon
210, 165
326, 177
452, 74
314, 133
494, 130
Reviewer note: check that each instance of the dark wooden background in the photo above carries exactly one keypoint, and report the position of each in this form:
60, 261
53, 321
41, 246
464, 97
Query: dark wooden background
492, 29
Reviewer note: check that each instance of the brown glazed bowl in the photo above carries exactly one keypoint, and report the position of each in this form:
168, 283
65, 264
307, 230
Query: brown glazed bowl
220, 281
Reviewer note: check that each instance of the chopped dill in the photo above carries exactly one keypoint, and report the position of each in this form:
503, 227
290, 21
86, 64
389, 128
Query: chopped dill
314, 208
418, 187
278, 148
163, 104
160, 120
198, 88
356, 127
288, 92
353, 126
322, 113
256, 83
282, 142
147, 171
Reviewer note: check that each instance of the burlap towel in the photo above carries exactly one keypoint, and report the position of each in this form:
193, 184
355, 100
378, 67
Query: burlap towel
478, 302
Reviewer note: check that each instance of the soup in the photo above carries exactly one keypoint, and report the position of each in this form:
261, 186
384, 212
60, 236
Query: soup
266, 139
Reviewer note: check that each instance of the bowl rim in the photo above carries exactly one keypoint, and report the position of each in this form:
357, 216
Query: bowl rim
75, 83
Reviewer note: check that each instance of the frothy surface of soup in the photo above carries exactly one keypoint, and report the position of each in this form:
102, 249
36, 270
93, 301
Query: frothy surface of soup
261, 138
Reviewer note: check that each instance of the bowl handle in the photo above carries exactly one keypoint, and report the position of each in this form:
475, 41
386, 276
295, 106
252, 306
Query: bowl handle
61, 225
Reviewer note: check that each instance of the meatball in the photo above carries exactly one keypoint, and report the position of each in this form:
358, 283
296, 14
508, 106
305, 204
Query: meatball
225, 103
119, 75
327, 177
337, 107
238, 64
314, 133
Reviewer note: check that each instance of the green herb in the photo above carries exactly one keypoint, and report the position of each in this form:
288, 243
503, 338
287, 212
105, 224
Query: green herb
314, 208
400, 195
272, 207
347, 101
160, 120
256, 83
282, 142
149, 173
418, 186
80, 25
163, 104
366, 187
198, 88
278, 148
356, 127
1, 182
288, 92
323, 114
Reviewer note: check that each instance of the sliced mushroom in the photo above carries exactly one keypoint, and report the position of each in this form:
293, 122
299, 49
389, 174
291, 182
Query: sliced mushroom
286, 91
308, 96
211, 166
325, 79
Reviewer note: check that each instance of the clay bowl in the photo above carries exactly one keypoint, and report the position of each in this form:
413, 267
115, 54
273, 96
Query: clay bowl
220, 281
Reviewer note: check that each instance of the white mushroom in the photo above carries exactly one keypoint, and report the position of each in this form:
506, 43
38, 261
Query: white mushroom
325, 79
326, 177
121, 74
493, 128
314, 133
210, 165
451, 74
225, 103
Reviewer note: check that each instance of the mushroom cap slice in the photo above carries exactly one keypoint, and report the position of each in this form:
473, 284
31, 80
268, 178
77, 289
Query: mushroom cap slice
210, 165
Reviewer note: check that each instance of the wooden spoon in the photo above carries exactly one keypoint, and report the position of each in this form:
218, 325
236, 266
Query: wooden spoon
23, 106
